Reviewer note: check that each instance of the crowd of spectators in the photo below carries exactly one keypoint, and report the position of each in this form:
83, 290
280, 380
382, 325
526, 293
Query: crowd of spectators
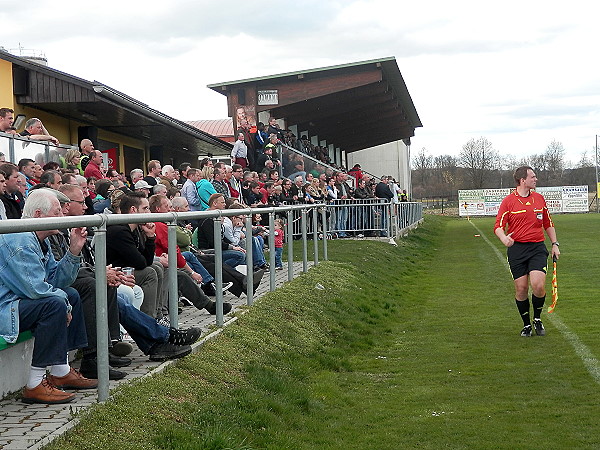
137, 277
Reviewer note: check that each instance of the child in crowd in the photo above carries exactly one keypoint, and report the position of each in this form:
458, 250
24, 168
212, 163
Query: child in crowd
279, 235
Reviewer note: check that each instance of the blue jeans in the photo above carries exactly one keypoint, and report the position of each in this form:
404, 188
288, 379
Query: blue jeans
233, 258
342, 218
258, 257
141, 327
278, 255
197, 267
47, 319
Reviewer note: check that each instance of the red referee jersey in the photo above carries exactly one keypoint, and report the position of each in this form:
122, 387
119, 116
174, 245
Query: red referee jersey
525, 217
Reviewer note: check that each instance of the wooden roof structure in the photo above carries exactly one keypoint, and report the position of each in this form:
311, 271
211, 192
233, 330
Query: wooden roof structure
352, 106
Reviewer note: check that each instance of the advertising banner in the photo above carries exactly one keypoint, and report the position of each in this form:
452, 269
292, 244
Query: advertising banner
559, 199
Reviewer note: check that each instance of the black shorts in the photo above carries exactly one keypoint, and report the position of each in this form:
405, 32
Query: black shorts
523, 257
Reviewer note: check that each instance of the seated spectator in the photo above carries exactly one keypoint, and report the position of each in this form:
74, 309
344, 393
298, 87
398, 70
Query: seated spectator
143, 186
69, 178
158, 342
73, 160
233, 280
26, 167
35, 295
188, 279
35, 130
159, 189
12, 203
135, 175
104, 188
204, 236
234, 232
297, 189
255, 195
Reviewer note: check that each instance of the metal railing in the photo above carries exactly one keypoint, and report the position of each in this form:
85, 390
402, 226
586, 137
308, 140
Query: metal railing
17, 147
311, 220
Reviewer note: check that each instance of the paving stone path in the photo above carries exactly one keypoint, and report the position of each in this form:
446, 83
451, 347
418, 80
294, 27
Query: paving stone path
24, 426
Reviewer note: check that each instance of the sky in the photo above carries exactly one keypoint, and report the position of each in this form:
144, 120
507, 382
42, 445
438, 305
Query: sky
519, 73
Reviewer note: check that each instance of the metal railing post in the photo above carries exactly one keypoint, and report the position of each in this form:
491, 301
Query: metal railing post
324, 217
289, 239
101, 313
315, 234
249, 268
304, 243
173, 297
271, 251
219, 270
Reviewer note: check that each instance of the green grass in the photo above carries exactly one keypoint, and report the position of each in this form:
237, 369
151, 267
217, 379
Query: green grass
414, 346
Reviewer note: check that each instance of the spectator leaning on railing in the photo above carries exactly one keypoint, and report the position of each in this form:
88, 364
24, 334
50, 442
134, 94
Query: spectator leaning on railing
35, 130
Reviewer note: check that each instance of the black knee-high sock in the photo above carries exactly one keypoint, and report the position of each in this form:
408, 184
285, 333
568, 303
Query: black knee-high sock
523, 308
538, 305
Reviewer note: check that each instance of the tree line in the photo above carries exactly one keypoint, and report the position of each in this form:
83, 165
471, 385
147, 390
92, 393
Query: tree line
479, 166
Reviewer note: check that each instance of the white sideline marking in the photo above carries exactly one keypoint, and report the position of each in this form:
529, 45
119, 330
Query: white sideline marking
589, 360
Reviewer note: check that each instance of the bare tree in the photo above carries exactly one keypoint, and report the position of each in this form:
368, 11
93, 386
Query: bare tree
422, 164
478, 158
554, 157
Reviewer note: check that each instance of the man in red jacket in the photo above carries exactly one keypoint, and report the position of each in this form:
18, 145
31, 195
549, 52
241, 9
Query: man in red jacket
525, 213
93, 167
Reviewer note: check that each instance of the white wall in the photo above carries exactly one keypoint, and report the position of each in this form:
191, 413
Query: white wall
387, 159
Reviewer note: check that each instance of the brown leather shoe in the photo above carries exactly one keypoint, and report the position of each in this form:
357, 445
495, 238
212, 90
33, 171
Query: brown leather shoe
73, 380
46, 393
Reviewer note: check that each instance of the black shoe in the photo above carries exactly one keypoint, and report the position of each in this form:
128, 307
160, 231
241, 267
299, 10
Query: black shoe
185, 301
526, 331
184, 337
89, 369
209, 289
116, 361
120, 348
212, 308
539, 327
165, 351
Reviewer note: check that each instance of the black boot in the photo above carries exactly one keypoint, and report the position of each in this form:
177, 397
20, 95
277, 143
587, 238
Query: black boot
89, 369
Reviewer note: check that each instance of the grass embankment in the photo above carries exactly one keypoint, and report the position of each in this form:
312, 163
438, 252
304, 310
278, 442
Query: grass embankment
408, 346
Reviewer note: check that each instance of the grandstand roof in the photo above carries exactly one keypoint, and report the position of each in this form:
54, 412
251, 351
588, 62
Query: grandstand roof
221, 128
96, 104
353, 106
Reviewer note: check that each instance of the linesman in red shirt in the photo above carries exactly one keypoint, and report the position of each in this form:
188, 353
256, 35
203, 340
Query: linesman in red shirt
525, 213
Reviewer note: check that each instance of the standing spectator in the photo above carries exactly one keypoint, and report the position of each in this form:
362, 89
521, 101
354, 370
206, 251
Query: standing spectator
93, 167
205, 187
7, 119
248, 140
274, 129
261, 138
189, 191
239, 153
382, 190
169, 176
87, 148
218, 182
154, 171
356, 172
183, 169
279, 235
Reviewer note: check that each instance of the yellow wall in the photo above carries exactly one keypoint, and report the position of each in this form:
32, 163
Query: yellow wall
64, 130
7, 99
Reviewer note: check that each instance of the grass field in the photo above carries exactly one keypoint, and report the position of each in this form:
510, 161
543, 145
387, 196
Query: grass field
415, 346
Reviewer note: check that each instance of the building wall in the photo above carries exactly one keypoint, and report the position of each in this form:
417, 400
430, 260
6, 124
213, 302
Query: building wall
7, 100
387, 159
